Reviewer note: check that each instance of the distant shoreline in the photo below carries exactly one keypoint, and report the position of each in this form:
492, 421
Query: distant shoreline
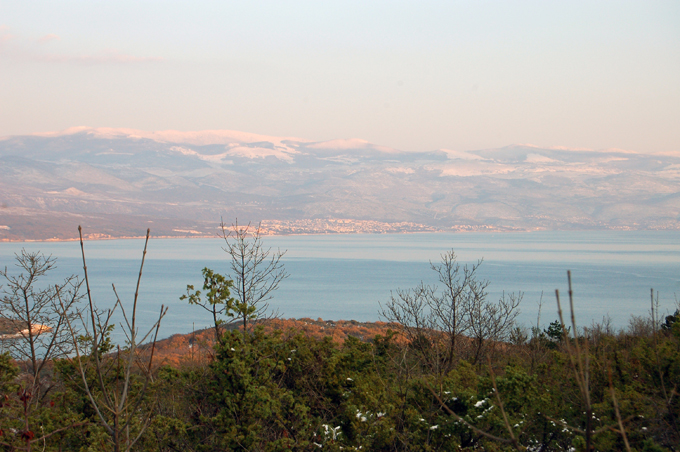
152, 237
453, 231
319, 227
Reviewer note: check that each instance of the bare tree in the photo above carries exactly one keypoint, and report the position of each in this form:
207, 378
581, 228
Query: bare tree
463, 293
108, 378
411, 308
491, 323
256, 271
434, 321
34, 318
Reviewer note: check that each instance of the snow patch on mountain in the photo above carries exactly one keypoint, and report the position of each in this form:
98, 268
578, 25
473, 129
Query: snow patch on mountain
255, 152
197, 138
354, 143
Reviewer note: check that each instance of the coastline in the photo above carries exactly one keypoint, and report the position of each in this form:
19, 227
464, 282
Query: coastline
483, 229
267, 233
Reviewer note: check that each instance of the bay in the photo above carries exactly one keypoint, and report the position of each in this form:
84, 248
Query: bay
346, 276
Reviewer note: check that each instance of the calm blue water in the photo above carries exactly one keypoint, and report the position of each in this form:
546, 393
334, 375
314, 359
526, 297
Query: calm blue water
346, 276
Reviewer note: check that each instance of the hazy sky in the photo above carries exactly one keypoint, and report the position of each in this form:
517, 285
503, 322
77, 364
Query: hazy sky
417, 75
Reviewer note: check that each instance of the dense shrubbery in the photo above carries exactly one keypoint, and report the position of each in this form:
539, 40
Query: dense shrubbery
287, 391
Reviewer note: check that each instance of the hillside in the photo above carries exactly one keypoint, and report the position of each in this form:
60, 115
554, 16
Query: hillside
184, 348
117, 182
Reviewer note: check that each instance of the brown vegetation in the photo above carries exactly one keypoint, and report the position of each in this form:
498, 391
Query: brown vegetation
197, 346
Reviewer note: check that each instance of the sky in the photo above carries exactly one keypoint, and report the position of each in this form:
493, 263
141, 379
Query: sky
416, 76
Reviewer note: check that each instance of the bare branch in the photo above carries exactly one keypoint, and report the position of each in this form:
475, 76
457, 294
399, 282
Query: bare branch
116, 406
256, 271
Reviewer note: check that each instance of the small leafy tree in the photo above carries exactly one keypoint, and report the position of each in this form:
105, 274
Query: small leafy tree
554, 335
671, 320
217, 299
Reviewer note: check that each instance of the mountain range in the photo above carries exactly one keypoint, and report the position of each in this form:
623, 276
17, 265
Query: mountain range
118, 182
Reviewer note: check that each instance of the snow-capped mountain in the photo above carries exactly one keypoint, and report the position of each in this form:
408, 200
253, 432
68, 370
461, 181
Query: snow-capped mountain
117, 181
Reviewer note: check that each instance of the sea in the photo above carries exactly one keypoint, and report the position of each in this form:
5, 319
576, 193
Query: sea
348, 277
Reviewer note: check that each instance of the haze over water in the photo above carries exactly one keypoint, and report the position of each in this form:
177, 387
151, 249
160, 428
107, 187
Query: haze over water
346, 276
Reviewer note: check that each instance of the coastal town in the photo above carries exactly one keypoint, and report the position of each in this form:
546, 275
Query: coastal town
166, 229
349, 226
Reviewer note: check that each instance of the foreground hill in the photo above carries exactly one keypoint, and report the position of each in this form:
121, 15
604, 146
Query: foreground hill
116, 182
552, 390
183, 348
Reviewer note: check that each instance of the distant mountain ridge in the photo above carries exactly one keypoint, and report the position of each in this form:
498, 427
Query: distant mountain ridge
116, 182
